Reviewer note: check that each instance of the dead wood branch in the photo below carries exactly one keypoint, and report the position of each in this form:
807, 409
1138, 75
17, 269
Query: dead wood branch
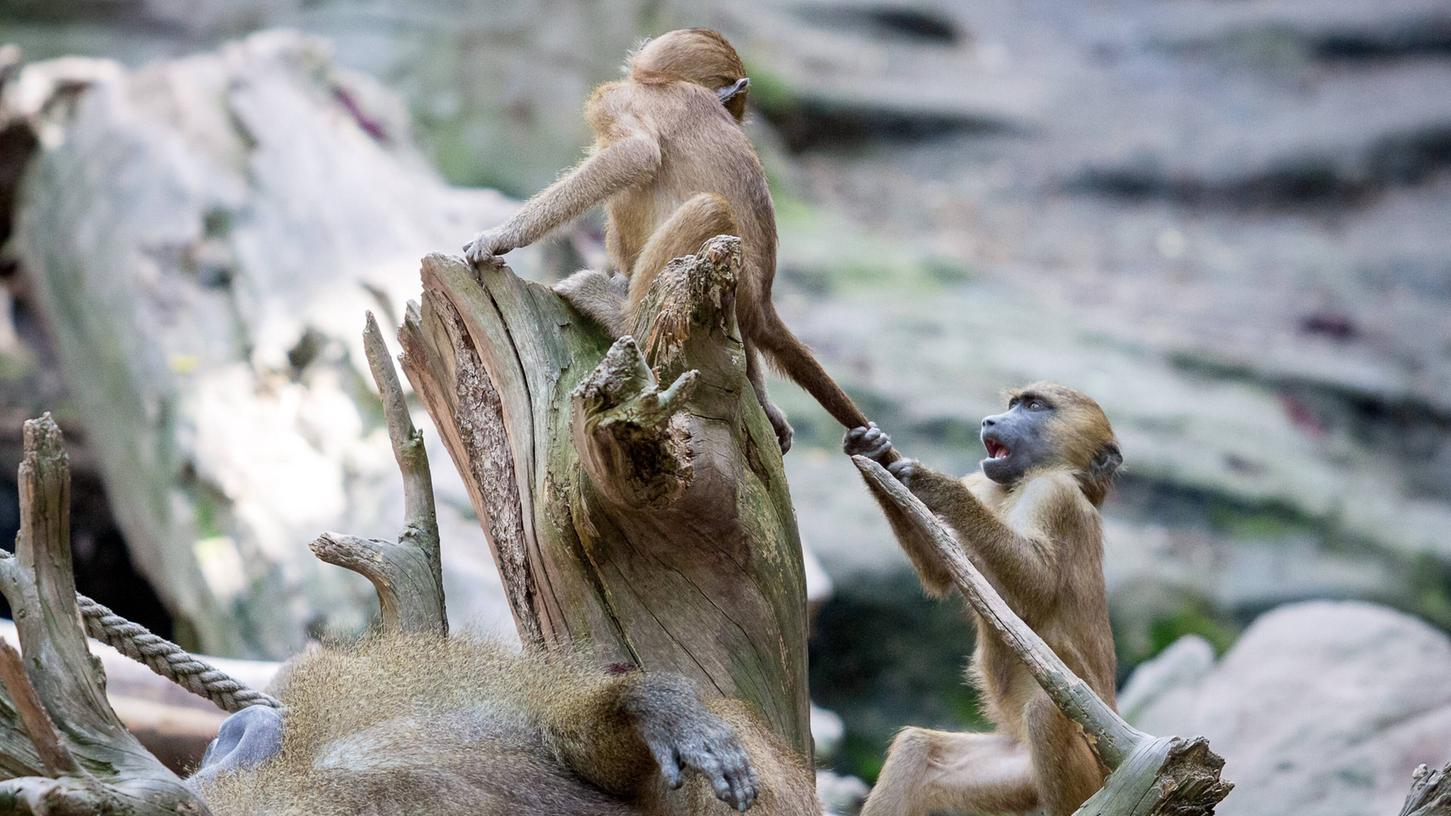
1430, 793
408, 573
53, 754
89, 763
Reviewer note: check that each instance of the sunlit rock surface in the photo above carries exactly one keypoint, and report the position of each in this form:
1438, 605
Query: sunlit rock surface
1320, 707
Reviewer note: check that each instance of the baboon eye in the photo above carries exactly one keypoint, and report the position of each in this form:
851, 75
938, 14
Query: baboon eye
1013, 403
1037, 405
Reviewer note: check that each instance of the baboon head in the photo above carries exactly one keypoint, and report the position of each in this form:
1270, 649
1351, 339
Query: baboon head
697, 55
1046, 426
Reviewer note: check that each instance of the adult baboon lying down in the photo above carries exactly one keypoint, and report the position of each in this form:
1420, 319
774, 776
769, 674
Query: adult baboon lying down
429, 726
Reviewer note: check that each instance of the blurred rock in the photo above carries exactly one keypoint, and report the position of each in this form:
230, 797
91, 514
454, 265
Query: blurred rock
499, 85
1183, 664
1221, 220
842, 795
1321, 707
203, 237
818, 582
826, 731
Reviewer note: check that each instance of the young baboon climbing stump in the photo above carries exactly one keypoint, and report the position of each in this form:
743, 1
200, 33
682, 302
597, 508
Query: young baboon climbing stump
632, 493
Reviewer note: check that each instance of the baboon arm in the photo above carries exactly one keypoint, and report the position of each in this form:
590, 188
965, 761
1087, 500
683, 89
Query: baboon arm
931, 772
1018, 554
592, 730
627, 732
619, 165
933, 575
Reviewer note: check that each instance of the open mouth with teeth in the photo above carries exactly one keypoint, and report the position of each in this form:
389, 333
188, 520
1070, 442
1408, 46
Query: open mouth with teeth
996, 449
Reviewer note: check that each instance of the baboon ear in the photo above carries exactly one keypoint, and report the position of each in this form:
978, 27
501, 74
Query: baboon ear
1106, 463
726, 93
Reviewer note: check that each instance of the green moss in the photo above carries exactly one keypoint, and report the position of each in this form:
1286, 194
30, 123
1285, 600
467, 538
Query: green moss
217, 222
208, 508
16, 364
861, 265
1196, 616
769, 92
1430, 581
945, 271
1148, 616
1260, 522
793, 213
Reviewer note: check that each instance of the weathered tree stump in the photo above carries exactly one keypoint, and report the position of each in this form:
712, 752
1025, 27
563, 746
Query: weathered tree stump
63, 750
632, 493
1150, 776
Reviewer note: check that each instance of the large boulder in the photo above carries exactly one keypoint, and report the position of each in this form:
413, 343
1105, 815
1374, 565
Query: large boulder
203, 236
1322, 707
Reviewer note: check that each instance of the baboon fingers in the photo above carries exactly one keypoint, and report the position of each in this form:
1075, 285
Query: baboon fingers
867, 440
486, 247
741, 794
710, 766
753, 782
784, 432
876, 443
719, 756
743, 779
671, 765
904, 469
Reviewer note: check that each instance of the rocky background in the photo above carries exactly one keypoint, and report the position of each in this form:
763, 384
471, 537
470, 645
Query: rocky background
1225, 220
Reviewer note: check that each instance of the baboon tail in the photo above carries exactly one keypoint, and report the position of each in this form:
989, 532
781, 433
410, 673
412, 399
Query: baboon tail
796, 361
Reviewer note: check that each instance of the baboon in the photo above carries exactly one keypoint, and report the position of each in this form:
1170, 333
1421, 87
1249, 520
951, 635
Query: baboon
458, 726
674, 168
1029, 520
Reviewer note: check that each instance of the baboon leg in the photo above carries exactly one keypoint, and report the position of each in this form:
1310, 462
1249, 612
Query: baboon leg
699, 219
1068, 771
756, 373
597, 296
931, 772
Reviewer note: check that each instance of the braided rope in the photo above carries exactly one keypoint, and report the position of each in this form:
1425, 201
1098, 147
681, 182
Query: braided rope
169, 660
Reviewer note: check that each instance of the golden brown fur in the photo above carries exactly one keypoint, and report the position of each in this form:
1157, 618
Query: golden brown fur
1039, 541
674, 169
442, 727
